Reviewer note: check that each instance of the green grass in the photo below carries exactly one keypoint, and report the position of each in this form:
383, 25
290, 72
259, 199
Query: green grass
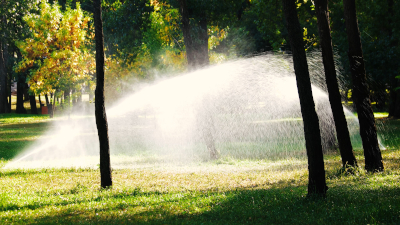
19, 131
226, 191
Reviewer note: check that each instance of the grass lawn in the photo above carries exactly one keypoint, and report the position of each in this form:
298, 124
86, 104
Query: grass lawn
225, 191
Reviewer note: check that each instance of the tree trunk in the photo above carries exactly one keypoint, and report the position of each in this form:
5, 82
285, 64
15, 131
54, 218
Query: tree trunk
40, 104
394, 102
3, 81
202, 53
53, 105
8, 76
186, 35
49, 106
372, 153
20, 96
316, 178
67, 97
8, 109
100, 112
207, 123
26, 93
47, 100
32, 101
342, 131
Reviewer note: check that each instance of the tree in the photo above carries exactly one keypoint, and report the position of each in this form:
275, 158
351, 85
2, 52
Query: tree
316, 177
100, 112
186, 34
12, 29
56, 52
124, 25
3, 82
342, 132
372, 153
3, 71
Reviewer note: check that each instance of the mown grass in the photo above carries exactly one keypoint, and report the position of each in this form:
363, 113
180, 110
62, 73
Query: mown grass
226, 191
19, 131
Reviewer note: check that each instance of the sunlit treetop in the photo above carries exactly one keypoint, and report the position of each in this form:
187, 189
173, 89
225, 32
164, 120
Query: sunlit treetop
56, 51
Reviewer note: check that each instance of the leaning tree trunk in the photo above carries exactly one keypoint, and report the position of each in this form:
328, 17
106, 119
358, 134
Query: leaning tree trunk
186, 35
372, 153
342, 131
100, 112
316, 177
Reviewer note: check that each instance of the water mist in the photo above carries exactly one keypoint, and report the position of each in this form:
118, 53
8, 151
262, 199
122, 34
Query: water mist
247, 108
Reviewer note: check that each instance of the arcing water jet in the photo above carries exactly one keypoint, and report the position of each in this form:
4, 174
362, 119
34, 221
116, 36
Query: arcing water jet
246, 109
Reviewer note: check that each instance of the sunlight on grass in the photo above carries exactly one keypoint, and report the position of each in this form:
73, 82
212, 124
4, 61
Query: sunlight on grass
224, 191
11, 118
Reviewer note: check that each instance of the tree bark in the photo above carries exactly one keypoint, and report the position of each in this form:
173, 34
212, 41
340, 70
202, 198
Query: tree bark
8, 76
100, 112
202, 53
20, 96
394, 102
316, 178
3, 81
372, 153
32, 101
8, 108
53, 105
49, 106
40, 104
342, 131
187, 39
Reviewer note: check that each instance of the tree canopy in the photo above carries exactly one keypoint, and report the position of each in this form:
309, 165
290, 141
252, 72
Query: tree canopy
56, 52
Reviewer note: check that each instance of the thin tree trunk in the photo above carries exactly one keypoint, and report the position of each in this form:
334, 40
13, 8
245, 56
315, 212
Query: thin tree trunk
372, 153
3, 81
186, 35
20, 96
53, 106
316, 178
342, 131
394, 108
8, 109
67, 97
8, 74
40, 104
203, 59
26, 88
3, 66
47, 100
100, 112
32, 101
49, 106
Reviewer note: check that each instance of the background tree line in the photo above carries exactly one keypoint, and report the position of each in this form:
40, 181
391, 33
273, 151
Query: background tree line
144, 39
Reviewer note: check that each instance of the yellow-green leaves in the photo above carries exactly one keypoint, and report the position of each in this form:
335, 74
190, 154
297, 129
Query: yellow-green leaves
56, 49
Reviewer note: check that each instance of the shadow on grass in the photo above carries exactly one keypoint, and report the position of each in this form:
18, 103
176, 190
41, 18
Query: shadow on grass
17, 137
344, 205
10, 149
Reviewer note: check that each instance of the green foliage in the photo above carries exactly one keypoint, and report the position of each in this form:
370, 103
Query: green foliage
124, 23
56, 51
